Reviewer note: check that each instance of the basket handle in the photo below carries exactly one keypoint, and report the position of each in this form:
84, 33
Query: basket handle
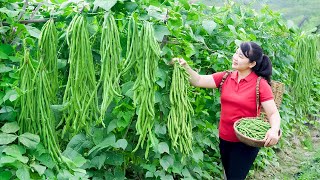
258, 95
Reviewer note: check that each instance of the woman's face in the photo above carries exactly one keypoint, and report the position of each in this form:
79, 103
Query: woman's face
241, 62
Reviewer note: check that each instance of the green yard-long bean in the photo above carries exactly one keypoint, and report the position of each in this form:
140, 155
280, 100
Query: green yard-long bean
253, 128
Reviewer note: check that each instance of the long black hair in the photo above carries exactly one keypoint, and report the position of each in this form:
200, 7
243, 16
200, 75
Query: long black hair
263, 65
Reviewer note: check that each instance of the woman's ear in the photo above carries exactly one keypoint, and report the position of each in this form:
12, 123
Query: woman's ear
252, 64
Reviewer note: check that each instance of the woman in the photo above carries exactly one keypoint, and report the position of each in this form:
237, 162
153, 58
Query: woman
238, 99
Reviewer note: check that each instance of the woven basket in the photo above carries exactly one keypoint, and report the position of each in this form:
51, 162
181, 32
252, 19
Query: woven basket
277, 90
247, 140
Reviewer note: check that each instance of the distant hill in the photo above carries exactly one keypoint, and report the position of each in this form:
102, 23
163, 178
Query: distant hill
304, 13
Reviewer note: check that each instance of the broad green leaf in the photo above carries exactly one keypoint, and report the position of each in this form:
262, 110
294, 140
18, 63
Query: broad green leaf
73, 155
23, 173
166, 161
160, 31
29, 140
209, 25
39, 168
7, 49
6, 109
79, 142
197, 155
106, 5
186, 173
233, 29
149, 174
7, 160
98, 161
46, 160
34, 32
11, 95
107, 142
160, 129
3, 56
7, 138
9, 13
4, 68
10, 127
15, 152
5, 175
114, 158
112, 125
127, 89
121, 143
163, 147
14, 59
189, 49
119, 173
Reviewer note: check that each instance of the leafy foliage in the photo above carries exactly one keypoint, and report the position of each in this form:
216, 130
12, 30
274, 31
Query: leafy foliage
205, 36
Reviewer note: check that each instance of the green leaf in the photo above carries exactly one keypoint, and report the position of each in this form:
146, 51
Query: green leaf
79, 142
209, 25
121, 143
76, 158
166, 161
23, 173
12, 95
160, 129
34, 32
46, 160
114, 158
4, 68
39, 168
163, 147
106, 5
7, 49
29, 140
98, 161
127, 89
3, 56
10, 127
5, 175
15, 152
119, 173
197, 155
9, 12
233, 29
7, 160
7, 138
107, 142
112, 125
160, 31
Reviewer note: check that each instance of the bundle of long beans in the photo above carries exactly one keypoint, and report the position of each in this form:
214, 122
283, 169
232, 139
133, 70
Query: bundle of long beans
306, 60
144, 90
27, 118
110, 57
179, 119
81, 91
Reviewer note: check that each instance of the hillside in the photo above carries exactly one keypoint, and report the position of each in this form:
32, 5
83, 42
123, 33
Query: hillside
303, 13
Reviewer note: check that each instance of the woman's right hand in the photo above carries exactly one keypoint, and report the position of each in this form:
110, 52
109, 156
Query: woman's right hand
181, 61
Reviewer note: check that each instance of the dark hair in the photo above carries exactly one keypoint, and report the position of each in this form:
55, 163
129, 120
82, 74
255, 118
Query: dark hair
263, 65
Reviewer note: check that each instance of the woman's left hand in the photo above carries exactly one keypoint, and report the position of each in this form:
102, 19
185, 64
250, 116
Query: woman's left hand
272, 137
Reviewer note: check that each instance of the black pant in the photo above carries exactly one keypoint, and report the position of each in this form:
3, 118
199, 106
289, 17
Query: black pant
237, 158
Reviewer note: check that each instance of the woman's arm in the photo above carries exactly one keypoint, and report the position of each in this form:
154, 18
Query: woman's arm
204, 81
272, 136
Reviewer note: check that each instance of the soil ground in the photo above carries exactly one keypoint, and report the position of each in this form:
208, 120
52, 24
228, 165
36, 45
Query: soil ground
300, 161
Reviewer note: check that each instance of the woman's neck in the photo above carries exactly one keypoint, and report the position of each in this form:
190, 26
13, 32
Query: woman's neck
243, 74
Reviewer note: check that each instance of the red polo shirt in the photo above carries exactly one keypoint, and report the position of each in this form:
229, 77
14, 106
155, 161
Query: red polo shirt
238, 100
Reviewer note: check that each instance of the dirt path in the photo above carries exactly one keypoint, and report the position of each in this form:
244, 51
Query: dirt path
301, 161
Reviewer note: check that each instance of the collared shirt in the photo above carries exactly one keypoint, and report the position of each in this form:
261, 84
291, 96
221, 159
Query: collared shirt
238, 100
